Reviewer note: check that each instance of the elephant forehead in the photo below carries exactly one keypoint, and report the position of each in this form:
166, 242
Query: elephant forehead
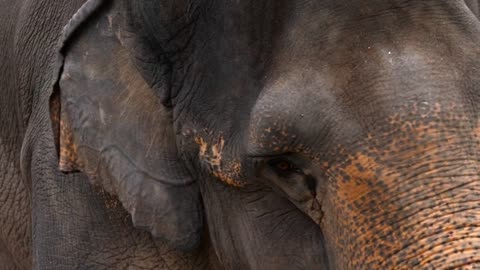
339, 103
294, 106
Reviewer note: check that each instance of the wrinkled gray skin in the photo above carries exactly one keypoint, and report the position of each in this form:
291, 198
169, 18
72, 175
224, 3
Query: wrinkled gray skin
135, 138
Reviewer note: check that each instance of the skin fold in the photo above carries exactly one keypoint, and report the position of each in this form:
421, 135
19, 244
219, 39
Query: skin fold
239, 134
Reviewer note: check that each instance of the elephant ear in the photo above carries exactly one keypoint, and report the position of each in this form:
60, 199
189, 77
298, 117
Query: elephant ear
111, 126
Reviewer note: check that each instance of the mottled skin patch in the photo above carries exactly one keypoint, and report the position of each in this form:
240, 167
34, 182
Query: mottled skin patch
355, 176
408, 196
68, 158
67, 149
227, 172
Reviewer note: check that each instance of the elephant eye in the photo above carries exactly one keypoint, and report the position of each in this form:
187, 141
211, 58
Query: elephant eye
283, 166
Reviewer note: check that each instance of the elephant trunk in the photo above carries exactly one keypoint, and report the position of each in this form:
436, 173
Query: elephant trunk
433, 224
438, 229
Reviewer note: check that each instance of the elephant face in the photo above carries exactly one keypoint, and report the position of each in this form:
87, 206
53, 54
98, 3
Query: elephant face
313, 135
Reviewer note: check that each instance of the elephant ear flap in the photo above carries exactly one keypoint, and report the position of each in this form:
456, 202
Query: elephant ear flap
68, 159
112, 126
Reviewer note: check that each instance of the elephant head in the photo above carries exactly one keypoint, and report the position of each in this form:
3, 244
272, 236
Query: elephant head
311, 134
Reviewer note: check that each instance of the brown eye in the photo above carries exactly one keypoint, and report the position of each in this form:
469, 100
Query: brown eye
283, 167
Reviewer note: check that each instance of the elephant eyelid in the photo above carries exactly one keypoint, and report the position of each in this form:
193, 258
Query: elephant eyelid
282, 163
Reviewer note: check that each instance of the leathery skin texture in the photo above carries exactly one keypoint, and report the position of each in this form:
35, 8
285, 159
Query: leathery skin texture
15, 219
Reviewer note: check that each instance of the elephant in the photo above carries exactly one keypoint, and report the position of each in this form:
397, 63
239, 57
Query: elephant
207, 134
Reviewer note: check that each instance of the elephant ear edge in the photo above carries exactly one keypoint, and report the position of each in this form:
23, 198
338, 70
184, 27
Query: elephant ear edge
123, 142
